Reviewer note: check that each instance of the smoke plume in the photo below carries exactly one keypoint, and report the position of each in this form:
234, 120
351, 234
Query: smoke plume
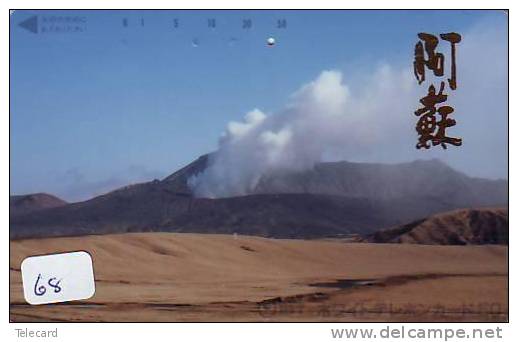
369, 118
324, 119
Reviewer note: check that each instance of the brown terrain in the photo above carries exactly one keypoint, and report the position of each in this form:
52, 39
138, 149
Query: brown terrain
209, 277
458, 227
162, 254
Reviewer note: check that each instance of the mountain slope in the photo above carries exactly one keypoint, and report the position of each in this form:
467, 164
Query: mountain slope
332, 199
149, 207
431, 178
459, 227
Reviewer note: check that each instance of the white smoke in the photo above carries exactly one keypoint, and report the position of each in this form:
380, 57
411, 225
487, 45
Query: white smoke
324, 119
370, 119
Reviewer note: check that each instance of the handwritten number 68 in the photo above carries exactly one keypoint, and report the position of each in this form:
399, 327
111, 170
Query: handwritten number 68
41, 289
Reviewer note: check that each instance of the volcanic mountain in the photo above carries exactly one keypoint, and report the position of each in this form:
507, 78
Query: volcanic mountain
458, 227
331, 199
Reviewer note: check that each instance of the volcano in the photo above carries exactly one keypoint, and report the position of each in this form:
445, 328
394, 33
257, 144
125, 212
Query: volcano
333, 199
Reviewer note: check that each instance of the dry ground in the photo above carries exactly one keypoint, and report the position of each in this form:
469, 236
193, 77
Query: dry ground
200, 277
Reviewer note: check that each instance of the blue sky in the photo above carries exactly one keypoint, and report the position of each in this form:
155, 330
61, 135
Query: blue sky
95, 110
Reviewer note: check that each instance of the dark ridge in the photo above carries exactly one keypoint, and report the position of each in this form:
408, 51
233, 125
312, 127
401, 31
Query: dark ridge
459, 227
330, 200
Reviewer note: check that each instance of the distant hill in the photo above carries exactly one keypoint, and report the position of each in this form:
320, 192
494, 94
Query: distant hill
332, 199
22, 204
459, 227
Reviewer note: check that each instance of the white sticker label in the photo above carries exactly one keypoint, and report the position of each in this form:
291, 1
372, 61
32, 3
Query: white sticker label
57, 278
